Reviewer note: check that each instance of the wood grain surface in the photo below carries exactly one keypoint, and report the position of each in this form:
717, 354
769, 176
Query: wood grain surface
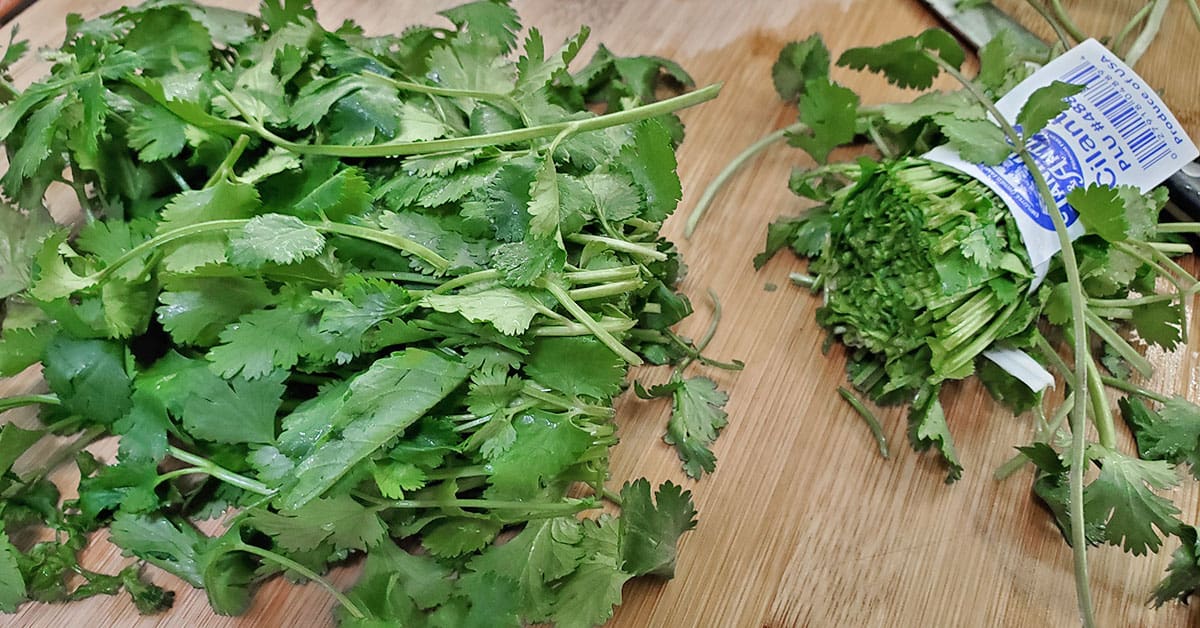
803, 524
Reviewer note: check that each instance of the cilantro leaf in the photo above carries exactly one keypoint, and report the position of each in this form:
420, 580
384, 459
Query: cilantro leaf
490, 18
542, 553
545, 445
1121, 499
509, 310
799, 63
650, 159
89, 377
1117, 213
697, 417
1044, 105
339, 519
1183, 573
596, 371
587, 597
20, 239
907, 61
831, 113
161, 543
1160, 323
927, 428
260, 342
650, 529
978, 141
12, 584
391, 395
457, 536
274, 238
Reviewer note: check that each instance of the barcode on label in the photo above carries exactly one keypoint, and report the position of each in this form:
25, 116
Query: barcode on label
1121, 111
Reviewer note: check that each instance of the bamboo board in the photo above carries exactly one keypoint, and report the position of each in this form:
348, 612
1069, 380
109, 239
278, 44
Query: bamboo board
803, 524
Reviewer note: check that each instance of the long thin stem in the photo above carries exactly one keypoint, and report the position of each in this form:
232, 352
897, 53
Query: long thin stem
618, 244
1195, 11
288, 563
225, 168
1046, 15
1082, 356
205, 465
1120, 384
1178, 227
1106, 432
515, 136
1149, 33
732, 168
601, 334
869, 417
1068, 24
8, 403
1138, 18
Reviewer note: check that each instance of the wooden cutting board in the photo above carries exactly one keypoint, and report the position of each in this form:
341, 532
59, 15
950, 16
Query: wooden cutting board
803, 524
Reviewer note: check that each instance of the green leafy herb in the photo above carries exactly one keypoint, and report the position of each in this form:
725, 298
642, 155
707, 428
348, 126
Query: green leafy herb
358, 295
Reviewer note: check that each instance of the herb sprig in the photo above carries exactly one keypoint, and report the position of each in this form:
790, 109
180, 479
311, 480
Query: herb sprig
921, 270
354, 295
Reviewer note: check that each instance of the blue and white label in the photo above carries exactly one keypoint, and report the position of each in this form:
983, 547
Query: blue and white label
1117, 131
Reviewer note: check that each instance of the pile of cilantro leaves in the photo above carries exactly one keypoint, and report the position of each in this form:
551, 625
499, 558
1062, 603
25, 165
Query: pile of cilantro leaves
352, 295
920, 271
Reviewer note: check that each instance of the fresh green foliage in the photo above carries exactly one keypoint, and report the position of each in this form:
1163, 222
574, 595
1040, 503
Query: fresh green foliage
921, 270
357, 294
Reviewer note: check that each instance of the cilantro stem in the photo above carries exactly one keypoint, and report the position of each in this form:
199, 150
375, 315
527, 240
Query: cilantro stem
1169, 248
363, 233
1114, 340
1119, 41
433, 90
1154, 298
533, 392
397, 275
612, 324
288, 563
204, 465
566, 508
1054, 24
732, 168
225, 168
1178, 227
515, 136
392, 240
1130, 387
586, 319
618, 244
1105, 430
468, 279
1195, 11
1082, 356
1052, 356
869, 417
1064, 18
604, 275
606, 290
1149, 32
611, 495
8, 403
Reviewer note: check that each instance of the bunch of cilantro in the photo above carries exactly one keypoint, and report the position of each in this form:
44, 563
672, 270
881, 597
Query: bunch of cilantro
355, 295
921, 269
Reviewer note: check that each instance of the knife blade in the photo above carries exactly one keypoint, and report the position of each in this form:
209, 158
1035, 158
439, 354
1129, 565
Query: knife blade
980, 22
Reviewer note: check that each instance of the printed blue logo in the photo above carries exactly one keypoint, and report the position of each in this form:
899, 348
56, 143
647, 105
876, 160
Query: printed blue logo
1058, 164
